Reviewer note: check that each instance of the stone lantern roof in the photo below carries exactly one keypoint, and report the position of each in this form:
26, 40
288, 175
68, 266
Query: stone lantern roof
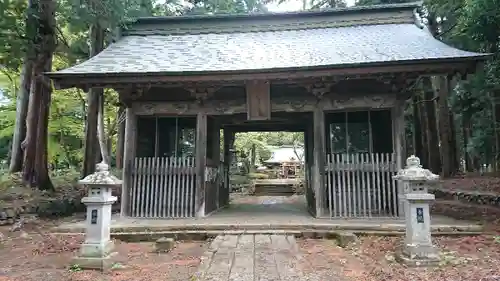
102, 176
415, 172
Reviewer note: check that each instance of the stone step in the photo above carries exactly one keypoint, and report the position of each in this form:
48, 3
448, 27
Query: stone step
200, 235
273, 190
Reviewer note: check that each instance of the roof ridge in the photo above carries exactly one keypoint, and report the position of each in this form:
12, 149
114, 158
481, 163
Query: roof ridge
271, 27
376, 14
307, 13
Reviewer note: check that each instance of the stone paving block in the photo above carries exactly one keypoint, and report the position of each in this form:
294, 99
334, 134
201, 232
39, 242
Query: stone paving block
261, 257
206, 259
243, 264
222, 260
265, 264
286, 258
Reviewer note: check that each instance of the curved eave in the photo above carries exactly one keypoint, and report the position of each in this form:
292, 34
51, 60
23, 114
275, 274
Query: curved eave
462, 65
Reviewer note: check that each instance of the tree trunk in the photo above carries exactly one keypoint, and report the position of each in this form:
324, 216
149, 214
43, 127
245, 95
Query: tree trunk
496, 117
22, 101
432, 132
417, 132
120, 138
29, 143
425, 143
101, 134
35, 169
454, 146
23, 95
91, 126
253, 157
444, 125
465, 136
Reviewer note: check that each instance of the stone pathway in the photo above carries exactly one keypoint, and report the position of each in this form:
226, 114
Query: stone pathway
256, 258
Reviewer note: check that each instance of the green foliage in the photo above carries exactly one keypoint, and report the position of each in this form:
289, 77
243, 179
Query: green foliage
264, 141
471, 25
12, 33
74, 17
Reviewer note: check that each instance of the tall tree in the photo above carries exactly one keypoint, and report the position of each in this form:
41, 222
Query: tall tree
95, 101
432, 132
35, 169
17, 35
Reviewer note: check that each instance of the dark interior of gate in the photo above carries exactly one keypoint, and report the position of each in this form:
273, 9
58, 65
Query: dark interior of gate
360, 162
164, 175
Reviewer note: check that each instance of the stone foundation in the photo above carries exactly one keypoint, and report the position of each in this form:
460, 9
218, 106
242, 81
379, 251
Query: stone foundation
95, 256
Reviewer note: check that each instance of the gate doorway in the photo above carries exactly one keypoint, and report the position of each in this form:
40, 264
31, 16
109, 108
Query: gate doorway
268, 167
164, 173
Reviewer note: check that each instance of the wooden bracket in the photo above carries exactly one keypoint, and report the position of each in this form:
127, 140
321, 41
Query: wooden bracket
201, 94
131, 93
318, 89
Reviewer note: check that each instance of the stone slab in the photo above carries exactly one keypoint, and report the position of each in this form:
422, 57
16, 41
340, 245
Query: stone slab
102, 263
261, 217
252, 258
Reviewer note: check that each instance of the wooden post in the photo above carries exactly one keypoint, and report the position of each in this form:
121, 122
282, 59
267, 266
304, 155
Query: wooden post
201, 160
128, 158
215, 136
398, 125
399, 147
318, 169
308, 155
228, 143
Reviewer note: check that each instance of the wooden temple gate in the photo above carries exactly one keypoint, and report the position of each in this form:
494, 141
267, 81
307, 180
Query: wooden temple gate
167, 177
340, 76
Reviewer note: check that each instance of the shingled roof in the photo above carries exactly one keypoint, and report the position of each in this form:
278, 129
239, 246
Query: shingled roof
305, 40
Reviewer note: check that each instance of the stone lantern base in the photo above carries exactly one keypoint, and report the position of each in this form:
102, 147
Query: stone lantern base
95, 256
415, 256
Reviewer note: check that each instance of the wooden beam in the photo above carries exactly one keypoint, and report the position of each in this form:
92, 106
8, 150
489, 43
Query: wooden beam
201, 161
128, 158
274, 127
108, 80
285, 104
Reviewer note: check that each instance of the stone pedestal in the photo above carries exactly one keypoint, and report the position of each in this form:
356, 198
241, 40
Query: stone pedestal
96, 251
417, 249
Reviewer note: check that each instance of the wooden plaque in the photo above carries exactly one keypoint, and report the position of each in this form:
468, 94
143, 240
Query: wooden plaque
258, 100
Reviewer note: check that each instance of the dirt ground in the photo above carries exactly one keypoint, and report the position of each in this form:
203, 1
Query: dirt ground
33, 255
473, 183
371, 259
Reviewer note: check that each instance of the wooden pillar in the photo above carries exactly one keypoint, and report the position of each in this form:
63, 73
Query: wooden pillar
201, 159
399, 148
128, 158
228, 143
215, 136
308, 155
398, 125
318, 169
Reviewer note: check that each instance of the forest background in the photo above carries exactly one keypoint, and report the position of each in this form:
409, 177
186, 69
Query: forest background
46, 132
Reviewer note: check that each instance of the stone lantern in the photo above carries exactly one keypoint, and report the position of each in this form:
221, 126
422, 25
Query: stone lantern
96, 251
417, 249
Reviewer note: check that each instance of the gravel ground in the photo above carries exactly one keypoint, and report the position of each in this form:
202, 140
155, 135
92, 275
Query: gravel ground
33, 254
371, 259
